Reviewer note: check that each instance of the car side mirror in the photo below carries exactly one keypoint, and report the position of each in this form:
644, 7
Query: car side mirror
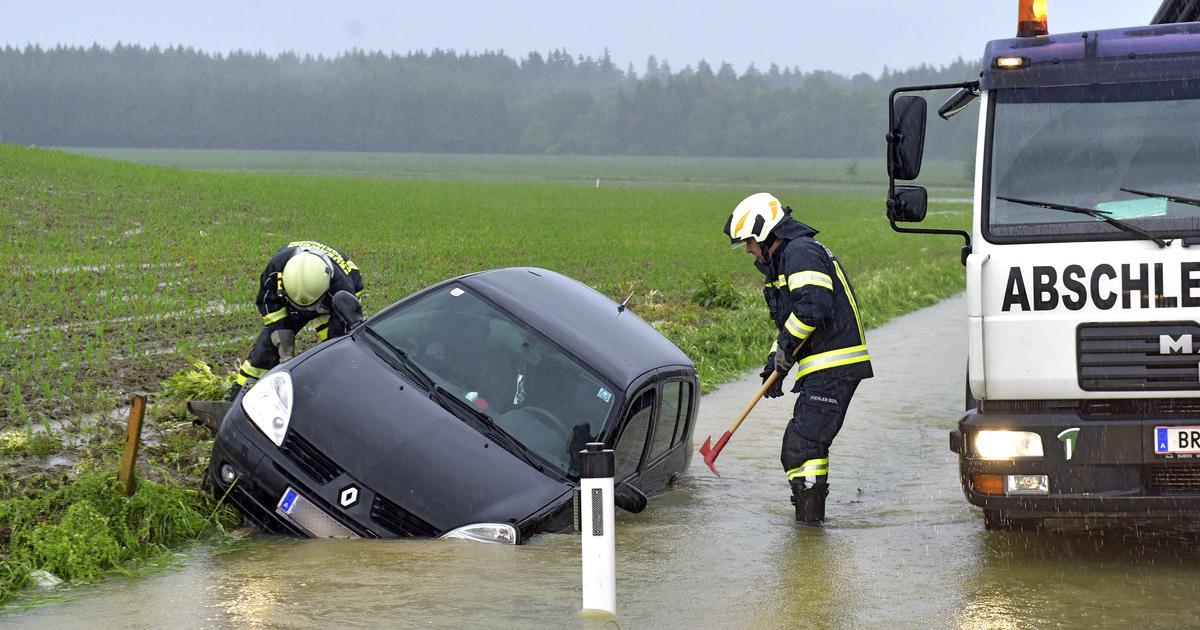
906, 140
629, 498
908, 204
958, 102
348, 309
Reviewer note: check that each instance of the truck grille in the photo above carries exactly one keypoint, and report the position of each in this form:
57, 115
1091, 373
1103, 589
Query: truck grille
1129, 357
309, 459
399, 520
1185, 478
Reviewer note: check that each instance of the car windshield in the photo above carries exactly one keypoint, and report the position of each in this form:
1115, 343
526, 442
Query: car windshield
1130, 151
530, 388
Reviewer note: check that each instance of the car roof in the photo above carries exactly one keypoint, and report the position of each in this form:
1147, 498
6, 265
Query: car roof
614, 341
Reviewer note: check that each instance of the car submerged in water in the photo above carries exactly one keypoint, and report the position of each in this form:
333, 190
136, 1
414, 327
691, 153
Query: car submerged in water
459, 411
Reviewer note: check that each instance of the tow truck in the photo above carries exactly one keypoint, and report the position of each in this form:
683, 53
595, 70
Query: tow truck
1082, 268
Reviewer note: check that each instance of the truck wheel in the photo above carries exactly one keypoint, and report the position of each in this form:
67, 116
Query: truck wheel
995, 520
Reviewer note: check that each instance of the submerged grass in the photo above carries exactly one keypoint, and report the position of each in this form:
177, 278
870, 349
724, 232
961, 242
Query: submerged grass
124, 272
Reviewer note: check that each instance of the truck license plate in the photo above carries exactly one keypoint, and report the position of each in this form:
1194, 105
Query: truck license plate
1172, 440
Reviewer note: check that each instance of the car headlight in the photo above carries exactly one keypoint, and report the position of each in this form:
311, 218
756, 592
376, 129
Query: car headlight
1007, 444
269, 405
485, 532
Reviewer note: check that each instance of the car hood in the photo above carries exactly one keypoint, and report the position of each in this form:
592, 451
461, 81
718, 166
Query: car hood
387, 433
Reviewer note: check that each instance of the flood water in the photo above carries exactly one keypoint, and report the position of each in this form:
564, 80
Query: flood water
901, 547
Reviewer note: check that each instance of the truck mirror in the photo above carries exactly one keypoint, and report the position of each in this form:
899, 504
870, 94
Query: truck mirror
906, 140
348, 308
957, 102
907, 204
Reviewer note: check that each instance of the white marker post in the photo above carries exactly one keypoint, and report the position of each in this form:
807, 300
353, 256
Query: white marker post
596, 524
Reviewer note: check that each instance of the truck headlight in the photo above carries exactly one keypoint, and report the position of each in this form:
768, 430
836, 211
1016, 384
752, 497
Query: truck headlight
269, 405
1007, 444
485, 532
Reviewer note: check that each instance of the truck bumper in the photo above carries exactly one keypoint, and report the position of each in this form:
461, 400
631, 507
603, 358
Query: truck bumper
1112, 469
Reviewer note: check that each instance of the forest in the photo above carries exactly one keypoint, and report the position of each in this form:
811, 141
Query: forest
449, 102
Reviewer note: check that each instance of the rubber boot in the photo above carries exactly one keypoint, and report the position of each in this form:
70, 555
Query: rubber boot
809, 499
234, 390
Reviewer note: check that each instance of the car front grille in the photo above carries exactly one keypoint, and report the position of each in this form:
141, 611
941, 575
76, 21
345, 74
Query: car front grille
309, 459
1182, 478
1149, 356
399, 520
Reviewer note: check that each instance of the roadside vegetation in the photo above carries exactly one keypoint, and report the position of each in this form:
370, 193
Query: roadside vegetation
123, 275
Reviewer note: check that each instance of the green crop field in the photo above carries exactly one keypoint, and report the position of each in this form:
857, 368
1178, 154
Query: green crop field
123, 270
785, 176
118, 273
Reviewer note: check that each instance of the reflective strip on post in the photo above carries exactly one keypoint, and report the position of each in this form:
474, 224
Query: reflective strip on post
805, 278
596, 522
797, 328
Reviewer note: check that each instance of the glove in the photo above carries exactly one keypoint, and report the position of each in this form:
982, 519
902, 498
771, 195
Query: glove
776, 388
784, 361
285, 342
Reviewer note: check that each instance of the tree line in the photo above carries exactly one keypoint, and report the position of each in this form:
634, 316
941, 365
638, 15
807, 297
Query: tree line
443, 101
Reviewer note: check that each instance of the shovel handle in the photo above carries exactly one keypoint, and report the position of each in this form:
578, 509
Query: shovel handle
762, 391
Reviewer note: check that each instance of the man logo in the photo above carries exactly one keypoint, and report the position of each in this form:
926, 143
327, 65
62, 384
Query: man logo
348, 496
1068, 439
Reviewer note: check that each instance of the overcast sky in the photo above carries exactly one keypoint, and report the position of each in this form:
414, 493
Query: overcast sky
847, 36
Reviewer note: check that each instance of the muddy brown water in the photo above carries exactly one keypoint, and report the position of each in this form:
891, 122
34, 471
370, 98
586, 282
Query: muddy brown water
901, 547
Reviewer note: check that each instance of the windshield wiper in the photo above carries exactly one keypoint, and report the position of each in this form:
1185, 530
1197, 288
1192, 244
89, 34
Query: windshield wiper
406, 363
1091, 212
447, 399
1188, 200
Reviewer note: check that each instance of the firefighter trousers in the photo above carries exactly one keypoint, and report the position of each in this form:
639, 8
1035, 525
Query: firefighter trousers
265, 356
817, 418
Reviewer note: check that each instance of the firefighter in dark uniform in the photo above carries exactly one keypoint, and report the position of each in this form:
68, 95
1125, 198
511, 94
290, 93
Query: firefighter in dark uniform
820, 334
296, 288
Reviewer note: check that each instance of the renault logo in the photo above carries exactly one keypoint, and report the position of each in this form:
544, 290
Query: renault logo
348, 496
1068, 439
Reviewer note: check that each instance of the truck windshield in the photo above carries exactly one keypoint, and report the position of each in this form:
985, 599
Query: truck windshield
529, 388
1131, 152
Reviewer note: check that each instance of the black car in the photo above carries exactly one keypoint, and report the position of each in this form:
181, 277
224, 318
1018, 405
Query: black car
459, 411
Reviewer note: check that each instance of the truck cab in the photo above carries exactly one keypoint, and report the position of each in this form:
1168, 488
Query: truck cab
1082, 272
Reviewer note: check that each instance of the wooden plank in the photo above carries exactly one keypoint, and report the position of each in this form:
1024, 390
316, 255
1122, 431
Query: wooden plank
126, 482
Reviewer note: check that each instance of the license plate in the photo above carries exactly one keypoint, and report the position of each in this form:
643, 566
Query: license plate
1172, 440
309, 517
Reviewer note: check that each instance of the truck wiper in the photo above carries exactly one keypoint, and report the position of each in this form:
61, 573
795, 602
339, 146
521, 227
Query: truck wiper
447, 399
1187, 200
1091, 212
404, 363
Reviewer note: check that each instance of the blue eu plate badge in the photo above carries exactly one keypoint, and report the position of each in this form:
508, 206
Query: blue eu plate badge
1160, 440
288, 501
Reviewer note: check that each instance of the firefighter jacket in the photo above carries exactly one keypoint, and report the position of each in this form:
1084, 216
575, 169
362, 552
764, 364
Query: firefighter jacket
814, 306
272, 302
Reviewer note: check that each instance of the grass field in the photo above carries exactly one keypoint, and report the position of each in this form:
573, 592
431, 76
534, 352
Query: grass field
118, 273
785, 176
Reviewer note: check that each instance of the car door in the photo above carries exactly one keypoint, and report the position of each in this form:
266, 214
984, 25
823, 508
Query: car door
668, 454
630, 444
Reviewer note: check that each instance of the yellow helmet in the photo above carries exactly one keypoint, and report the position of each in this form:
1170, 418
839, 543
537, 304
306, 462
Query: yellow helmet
754, 218
306, 277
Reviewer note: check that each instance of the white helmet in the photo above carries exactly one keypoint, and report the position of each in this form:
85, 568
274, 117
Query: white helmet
306, 277
754, 218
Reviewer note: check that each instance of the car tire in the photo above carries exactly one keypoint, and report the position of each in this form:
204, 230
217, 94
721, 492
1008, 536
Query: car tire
997, 521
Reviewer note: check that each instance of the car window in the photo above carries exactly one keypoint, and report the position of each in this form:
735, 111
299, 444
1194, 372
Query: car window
538, 394
685, 412
668, 417
633, 438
